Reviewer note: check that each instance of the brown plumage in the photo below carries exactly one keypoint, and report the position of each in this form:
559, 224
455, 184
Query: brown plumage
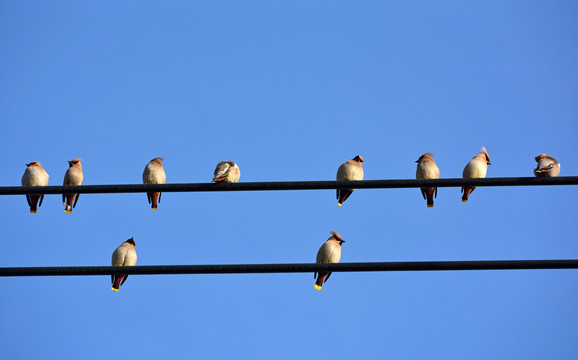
73, 177
34, 175
476, 168
154, 173
547, 166
351, 170
329, 252
124, 255
227, 171
427, 169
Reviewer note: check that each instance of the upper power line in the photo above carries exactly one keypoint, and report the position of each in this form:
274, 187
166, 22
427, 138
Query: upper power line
289, 185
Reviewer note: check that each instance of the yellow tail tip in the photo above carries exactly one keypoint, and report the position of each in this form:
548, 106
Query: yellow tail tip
68, 211
464, 200
115, 289
338, 204
154, 208
33, 211
429, 205
317, 287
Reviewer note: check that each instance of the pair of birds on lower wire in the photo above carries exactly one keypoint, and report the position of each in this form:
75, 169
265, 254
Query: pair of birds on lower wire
352, 170
329, 252
154, 173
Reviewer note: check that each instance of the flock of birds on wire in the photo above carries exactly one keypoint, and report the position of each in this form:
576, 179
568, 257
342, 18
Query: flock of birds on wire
229, 172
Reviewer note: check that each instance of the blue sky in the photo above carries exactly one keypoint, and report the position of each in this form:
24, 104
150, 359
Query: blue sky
289, 91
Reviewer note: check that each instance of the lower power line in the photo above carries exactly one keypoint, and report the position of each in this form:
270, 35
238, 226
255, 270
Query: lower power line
290, 268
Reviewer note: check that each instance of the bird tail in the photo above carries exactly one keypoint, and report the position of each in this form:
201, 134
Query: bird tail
467, 191
117, 282
319, 282
153, 199
33, 202
429, 195
69, 202
343, 195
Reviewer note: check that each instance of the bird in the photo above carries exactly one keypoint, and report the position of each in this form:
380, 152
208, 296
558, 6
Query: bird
34, 175
350, 170
124, 255
73, 177
227, 172
329, 252
547, 166
154, 173
476, 168
427, 169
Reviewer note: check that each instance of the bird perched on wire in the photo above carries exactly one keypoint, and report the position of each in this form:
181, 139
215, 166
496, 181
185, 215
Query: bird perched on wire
427, 169
73, 177
547, 166
154, 173
124, 255
34, 175
329, 252
351, 170
227, 172
476, 168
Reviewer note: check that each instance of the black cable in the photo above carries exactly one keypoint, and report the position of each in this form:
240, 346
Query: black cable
291, 268
288, 185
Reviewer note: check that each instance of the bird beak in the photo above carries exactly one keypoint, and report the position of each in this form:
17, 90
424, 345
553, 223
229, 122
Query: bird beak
27, 165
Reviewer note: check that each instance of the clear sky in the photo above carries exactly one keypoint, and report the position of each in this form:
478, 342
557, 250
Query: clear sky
289, 91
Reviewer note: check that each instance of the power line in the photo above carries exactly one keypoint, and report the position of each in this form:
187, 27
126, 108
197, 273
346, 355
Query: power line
291, 268
288, 185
